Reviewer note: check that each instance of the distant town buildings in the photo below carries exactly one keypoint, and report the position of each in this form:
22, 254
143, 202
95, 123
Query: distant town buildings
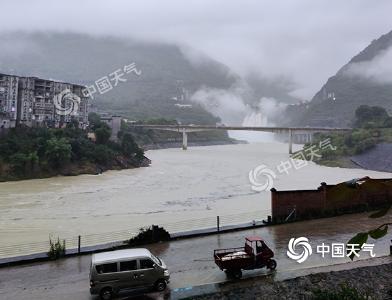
30, 101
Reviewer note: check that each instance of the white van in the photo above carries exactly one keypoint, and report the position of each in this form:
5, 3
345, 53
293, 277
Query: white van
111, 272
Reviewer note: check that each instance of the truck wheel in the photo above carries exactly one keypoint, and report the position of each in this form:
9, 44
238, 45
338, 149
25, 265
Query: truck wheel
160, 285
234, 274
271, 264
237, 274
106, 294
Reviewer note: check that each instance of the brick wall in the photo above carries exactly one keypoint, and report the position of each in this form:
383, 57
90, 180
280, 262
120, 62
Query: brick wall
283, 202
365, 193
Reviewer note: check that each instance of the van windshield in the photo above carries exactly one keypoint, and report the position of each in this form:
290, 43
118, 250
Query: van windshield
156, 260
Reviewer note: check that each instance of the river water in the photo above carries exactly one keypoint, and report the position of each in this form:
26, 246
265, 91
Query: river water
179, 185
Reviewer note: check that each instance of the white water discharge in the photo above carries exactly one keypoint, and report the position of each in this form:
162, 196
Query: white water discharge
179, 185
254, 119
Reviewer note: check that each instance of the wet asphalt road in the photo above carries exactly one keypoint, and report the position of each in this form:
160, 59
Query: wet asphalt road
190, 260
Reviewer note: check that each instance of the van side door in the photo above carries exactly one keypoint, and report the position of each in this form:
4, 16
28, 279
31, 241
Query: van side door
108, 275
128, 273
148, 273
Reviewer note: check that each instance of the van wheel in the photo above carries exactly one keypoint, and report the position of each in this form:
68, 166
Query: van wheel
106, 294
160, 285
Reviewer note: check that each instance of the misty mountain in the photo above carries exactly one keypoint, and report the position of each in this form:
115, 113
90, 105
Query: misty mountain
365, 79
169, 75
278, 89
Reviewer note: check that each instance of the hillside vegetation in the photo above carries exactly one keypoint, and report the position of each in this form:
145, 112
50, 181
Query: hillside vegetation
43, 152
373, 126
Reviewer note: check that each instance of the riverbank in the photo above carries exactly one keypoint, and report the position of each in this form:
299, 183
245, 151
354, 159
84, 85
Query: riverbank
91, 168
373, 282
366, 148
74, 169
31, 153
378, 158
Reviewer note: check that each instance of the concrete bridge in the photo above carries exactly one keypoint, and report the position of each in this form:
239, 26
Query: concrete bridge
184, 129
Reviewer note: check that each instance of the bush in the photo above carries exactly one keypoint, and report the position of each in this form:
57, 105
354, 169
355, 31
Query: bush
56, 248
150, 235
388, 122
365, 145
58, 151
102, 134
370, 116
103, 155
23, 163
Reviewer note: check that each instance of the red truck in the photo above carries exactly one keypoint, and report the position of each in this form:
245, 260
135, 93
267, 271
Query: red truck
254, 255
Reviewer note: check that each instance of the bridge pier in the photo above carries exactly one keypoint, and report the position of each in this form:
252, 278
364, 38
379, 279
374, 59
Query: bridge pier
290, 141
306, 133
184, 139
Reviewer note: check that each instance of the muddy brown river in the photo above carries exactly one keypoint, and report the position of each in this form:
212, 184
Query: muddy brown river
179, 185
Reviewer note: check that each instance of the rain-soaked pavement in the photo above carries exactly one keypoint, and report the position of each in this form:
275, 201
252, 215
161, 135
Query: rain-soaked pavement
190, 260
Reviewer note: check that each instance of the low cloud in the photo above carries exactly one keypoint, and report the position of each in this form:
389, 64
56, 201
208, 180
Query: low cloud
230, 105
306, 41
378, 70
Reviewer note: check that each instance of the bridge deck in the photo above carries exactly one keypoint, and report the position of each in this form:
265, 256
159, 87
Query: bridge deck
245, 128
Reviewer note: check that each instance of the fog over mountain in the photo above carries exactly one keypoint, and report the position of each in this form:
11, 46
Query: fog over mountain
365, 80
378, 69
279, 50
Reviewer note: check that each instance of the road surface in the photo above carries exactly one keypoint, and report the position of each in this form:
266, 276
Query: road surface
190, 260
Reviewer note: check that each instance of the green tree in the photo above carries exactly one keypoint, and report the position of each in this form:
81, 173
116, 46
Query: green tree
102, 134
74, 123
129, 146
388, 122
19, 162
370, 116
103, 155
94, 120
58, 151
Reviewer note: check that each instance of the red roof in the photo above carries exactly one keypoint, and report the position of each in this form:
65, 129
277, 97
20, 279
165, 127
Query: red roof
254, 238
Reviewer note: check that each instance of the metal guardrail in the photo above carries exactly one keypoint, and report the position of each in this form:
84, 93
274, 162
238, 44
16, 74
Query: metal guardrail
7, 251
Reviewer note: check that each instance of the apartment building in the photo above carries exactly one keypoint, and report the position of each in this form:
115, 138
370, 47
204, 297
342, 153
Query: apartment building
30, 101
8, 100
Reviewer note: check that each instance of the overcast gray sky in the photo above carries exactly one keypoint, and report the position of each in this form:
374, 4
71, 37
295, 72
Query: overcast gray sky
304, 40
